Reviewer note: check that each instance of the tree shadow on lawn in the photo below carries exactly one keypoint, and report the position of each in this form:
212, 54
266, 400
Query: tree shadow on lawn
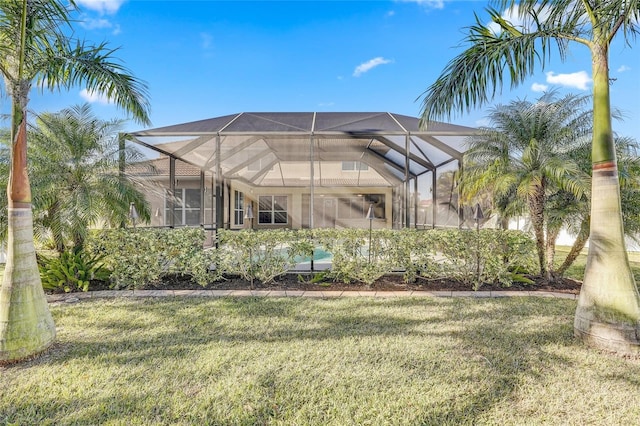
507, 338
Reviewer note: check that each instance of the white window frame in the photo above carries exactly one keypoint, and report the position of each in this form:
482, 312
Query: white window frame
354, 166
238, 207
273, 211
180, 208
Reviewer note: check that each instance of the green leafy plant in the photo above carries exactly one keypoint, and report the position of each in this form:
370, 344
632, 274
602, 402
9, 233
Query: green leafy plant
141, 256
73, 270
262, 255
355, 258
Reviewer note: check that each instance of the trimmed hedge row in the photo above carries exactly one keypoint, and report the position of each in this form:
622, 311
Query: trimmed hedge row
139, 256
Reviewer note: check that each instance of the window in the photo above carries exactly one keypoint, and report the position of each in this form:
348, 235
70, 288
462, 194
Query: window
239, 207
351, 208
187, 206
351, 166
272, 209
358, 207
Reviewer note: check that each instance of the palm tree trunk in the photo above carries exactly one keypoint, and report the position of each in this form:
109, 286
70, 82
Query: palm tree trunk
536, 210
54, 225
550, 252
576, 248
608, 312
26, 325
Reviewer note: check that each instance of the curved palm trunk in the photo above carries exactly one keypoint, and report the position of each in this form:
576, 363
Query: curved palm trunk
26, 325
608, 312
576, 248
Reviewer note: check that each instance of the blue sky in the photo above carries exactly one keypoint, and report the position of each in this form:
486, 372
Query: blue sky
203, 59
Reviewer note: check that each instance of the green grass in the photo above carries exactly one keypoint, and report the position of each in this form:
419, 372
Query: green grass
256, 361
576, 271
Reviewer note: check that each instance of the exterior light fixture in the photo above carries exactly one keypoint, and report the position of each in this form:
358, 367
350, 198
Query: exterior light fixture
249, 213
477, 217
370, 217
133, 214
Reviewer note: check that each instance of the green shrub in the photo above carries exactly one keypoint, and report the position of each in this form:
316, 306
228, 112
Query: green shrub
141, 256
487, 256
71, 271
501, 257
262, 255
351, 258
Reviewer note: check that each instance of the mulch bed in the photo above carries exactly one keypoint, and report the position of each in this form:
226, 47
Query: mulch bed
386, 283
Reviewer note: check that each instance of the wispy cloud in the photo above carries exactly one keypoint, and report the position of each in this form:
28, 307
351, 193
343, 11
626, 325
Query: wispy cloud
428, 4
539, 87
624, 68
103, 6
99, 24
369, 65
578, 80
93, 97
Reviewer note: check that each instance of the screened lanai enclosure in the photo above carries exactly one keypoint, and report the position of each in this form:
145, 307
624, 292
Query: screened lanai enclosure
302, 170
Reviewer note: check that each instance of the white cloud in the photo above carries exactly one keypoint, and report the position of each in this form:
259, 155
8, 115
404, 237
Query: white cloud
369, 65
624, 68
428, 4
93, 97
578, 80
538, 87
101, 23
102, 6
92, 24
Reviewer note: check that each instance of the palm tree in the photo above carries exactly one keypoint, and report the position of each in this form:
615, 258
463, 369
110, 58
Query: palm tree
608, 313
524, 157
74, 166
35, 48
574, 213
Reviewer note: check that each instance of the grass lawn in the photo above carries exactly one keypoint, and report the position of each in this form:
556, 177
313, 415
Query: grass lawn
255, 361
576, 271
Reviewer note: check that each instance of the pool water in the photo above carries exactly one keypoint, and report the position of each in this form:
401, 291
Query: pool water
318, 255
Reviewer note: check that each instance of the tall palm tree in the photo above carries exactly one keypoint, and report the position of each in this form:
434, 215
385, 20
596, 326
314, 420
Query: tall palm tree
525, 154
74, 158
574, 213
35, 48
608, 313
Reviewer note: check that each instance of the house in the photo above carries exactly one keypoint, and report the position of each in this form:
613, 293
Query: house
302, 170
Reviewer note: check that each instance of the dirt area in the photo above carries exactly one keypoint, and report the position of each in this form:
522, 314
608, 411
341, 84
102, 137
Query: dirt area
386, 283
